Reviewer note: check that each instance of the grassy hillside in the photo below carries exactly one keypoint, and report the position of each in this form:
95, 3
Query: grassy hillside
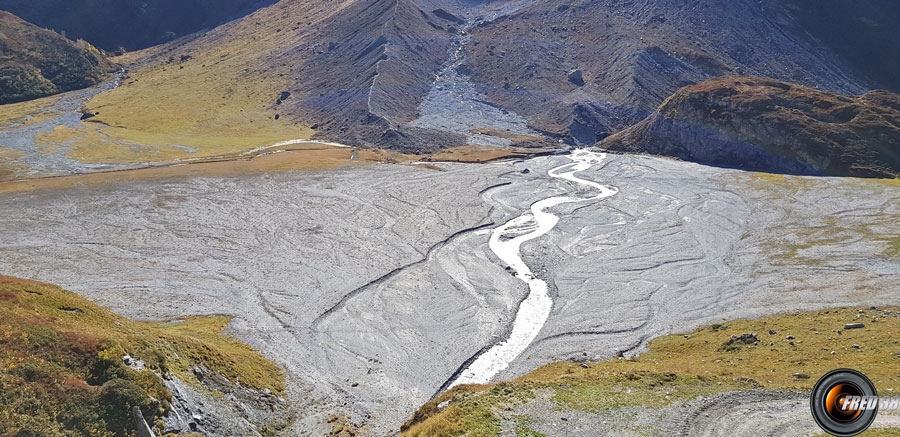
345, 71
676, 368
36, 62
62, 370
763, 124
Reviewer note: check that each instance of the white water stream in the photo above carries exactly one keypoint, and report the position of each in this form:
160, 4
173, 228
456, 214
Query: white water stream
506, 242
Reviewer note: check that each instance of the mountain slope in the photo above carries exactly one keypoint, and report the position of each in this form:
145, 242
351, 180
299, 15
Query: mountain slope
417, 75
354, 71
631, 55
36, 62
763, 124
863, 33
130, 24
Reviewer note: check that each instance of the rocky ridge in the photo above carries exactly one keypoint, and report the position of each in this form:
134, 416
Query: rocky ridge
767, 125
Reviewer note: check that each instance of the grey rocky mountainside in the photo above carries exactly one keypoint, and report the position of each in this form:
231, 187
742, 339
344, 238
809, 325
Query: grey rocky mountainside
573, 70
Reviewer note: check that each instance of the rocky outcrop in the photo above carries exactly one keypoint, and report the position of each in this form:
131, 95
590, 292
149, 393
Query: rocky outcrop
767, 125
36, 62
220, 407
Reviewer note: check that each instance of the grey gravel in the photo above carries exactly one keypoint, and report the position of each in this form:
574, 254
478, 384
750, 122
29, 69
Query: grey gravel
381, 275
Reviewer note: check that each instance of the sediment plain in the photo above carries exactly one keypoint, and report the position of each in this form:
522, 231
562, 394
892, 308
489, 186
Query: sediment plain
374, 285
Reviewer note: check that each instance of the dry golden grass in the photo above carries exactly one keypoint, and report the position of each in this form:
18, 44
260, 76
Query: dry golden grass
174, 347
221, 99
304, 156
309, 156
682, 367
19, 111
62, 369
474, 154
518, 140
8, 167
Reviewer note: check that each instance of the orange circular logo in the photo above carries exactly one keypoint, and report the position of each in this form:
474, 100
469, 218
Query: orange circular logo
844, 402
836, 399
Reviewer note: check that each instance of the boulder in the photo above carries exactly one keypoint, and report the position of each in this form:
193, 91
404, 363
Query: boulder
576, 77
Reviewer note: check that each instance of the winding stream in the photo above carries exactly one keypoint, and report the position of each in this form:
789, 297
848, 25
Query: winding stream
506, 242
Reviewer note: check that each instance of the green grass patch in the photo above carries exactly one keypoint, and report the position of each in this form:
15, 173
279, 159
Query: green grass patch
679, 368
523, 430
61, 367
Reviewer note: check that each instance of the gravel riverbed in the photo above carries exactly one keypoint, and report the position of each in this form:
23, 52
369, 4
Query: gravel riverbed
374, 285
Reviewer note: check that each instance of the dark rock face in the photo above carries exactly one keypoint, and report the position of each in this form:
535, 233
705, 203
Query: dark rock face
636, 53
767, 125
864, 33
36, 62
576, 77
445, 15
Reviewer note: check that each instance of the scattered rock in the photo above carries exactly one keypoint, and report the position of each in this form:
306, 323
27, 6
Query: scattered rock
742, 340
750, 381
854, 326
277, 116
576, 77
799, 375
790, 337
133, 362
284, 95
772, 332
86, 115
855, 346
526, 171
745, 339
314, 126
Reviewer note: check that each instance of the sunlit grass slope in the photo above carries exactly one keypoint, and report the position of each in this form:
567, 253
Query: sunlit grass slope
681, 367
61, 366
